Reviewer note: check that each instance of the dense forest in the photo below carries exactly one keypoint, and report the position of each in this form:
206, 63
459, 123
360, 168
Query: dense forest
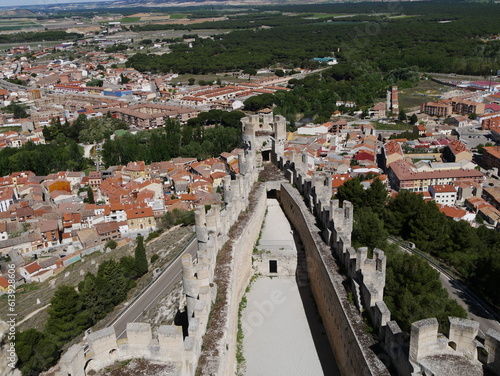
62, 154
413, 290
61, 151
33, 36
191, 140
434, 37
208, 135
315, 95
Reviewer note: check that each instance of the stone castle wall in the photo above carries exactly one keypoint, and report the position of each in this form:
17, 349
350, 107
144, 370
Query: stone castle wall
325, 229
240, 270
366, 282
167, 344
343, 323
103, 349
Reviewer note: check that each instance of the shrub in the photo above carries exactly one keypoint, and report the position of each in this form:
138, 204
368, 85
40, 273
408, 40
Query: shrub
111, 244
152, 235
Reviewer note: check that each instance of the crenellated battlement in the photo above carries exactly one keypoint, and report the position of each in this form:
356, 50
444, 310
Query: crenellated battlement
263, 132
102, 349
366, 280
325, 228
167, 344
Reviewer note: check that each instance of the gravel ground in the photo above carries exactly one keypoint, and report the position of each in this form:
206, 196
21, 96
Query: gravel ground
283, 332
165, 311
138, 367
277, 335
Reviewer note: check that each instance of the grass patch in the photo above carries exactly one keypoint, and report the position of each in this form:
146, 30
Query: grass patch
325, 15
424, 91
7, 129
392, 127
177, 16
240, 359
130, 19
12, 28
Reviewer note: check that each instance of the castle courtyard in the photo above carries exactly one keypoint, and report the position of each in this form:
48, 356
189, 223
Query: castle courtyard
283, 334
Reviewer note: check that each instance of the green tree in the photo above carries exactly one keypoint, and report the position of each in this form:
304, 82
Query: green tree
376, 196
399, 212
124, 79
250, 71
95, 82
429, 230
413, 291
413, 119
66, 316
258, 102
352, 191
127, 263
91, 298
112, 284
178, 217
141, 261
35, 352
402, 115
111, 244
90, 196
17, 109
365, 114
368, 230
99, 129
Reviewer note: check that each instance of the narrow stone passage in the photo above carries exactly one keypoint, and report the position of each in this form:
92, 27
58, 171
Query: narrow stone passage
283, 333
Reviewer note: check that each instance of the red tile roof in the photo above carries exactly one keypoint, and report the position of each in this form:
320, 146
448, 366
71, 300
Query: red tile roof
32, 267
140, 213
457, 147
393, 147
452, 212
493, 150
443, 188
4, 282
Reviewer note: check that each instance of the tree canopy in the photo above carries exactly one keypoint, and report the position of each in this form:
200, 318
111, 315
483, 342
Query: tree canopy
404, 45
172, 141
413, 289
141, 261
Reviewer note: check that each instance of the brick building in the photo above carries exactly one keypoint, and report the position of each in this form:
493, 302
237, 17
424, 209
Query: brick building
491, 156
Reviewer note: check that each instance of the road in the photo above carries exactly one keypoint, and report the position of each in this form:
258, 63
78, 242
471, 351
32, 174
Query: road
153, 293
475, 310
11, 87
474, 306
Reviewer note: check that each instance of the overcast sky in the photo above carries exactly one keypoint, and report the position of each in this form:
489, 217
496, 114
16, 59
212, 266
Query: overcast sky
9, 3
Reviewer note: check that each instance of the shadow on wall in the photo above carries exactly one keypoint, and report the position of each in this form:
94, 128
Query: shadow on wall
318, 332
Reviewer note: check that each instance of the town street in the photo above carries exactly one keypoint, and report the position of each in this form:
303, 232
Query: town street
160, 287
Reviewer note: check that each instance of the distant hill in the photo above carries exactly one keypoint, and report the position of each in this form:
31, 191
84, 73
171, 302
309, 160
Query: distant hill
17, 13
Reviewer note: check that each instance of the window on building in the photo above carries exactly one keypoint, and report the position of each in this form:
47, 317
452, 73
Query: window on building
273, 266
